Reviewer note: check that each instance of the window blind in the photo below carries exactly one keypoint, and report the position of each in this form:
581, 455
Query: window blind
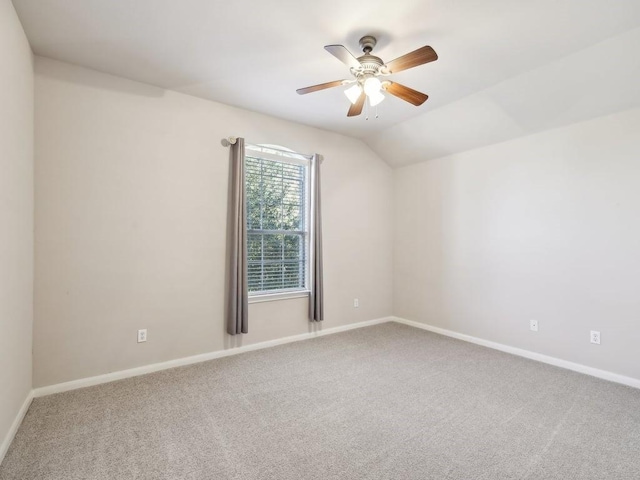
277, 221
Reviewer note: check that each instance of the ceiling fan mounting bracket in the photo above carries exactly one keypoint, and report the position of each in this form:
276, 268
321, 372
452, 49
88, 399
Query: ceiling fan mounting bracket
367, 43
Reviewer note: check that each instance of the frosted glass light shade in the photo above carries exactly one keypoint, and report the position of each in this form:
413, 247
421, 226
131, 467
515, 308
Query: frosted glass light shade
375, 98
372, 86
353, 93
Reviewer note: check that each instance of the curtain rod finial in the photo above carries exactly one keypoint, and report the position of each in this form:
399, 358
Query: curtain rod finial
229, 141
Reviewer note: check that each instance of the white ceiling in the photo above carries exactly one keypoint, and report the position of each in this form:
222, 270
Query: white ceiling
506, 68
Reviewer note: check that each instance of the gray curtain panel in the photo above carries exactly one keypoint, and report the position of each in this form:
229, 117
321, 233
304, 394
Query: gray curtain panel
237, 298
316, 297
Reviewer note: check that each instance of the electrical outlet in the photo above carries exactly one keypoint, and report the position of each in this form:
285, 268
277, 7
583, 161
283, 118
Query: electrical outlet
595, 337
356, 303
142, 335
533, 325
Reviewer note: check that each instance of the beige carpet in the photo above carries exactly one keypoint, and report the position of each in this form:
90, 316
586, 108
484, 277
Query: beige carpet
384, 402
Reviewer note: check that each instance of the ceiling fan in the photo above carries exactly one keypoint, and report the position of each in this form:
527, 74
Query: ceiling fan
366, 71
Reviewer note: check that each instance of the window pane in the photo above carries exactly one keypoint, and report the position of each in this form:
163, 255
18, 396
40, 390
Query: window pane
273, 276
253, 195
292, 217
254, 247
293, 275
271, 214
271, 168
255, 277
271, 203
293, 247
272, 248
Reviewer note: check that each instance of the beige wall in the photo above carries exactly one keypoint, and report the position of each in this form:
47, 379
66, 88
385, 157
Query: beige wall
131, 185
546, 227
131, 190
16, 216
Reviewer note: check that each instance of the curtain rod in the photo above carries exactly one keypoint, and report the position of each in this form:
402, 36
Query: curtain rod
232, 141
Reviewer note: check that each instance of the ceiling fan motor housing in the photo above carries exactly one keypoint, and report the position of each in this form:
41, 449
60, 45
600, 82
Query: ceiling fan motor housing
370, 65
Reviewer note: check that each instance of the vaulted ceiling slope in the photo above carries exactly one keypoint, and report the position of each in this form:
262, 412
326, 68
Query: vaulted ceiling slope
506, 68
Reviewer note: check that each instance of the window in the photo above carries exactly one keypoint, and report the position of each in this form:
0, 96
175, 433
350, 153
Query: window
277, 199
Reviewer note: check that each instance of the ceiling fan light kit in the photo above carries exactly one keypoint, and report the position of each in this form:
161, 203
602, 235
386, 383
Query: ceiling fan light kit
372, 85
366, 71
375, 98
353, 93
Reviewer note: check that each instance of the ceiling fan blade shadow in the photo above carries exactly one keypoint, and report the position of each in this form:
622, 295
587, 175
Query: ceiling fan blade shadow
322, 86
344, 55
413, 59
356, 108
407, 94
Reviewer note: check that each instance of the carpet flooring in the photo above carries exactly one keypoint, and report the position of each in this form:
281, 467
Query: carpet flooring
382, 402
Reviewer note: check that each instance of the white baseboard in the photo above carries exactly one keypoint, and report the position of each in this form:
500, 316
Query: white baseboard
134, 372
4, 447
576, 367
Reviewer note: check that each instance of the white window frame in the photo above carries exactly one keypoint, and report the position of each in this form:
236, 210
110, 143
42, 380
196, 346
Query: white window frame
282, 154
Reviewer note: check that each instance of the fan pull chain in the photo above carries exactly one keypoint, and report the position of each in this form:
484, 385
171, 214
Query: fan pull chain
366, 107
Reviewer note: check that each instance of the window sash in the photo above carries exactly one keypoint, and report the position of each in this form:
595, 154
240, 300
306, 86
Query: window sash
277, 270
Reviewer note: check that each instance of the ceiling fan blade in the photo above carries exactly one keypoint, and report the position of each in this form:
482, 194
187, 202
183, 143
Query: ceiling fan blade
356, 108
417, 57
342, 54
407, 94
322, 86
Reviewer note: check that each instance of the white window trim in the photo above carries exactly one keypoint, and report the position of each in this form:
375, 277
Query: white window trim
272, 297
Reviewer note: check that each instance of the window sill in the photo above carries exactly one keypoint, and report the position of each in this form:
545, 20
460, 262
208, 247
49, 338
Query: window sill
272, 297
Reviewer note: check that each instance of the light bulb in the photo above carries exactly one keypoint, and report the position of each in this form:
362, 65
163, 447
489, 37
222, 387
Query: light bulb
372, 86
353, 93
375, 98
